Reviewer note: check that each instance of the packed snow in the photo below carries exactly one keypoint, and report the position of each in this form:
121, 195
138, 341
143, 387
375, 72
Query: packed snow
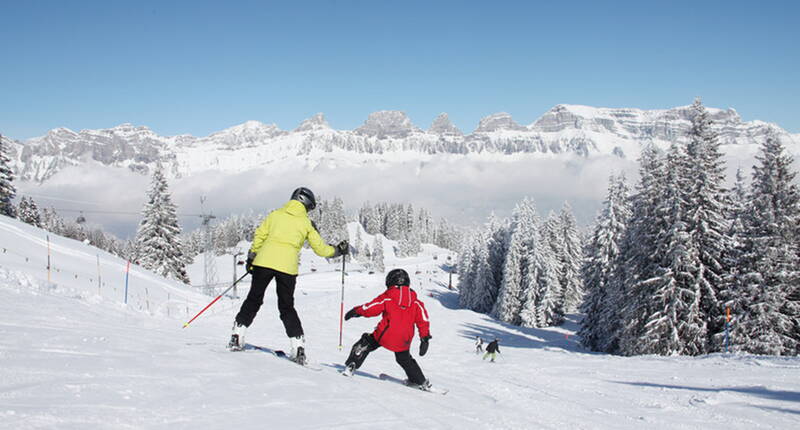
75, 355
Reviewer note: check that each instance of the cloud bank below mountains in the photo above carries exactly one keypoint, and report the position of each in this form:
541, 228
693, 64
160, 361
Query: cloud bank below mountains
462, 189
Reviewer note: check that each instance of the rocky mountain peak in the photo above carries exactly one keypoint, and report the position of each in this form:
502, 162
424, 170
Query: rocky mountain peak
496, 122
387, 123
443, 126
316, 122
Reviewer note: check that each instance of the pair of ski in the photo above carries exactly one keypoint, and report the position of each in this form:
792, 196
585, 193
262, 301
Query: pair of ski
384, 377
313, 366
282, 354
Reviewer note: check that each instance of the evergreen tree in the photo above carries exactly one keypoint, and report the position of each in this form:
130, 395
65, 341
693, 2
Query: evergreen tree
729, 297
767, 323
673, 319
638, 255
28, 212
497, 247
7, 189
602, 257
545, 307
484, 284
706, 215
159, 246
377, 255
571, 260
515, 269
466, 273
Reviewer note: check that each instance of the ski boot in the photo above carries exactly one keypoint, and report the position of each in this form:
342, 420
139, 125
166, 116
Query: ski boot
349, 369
425, 386
298, 349
237, 338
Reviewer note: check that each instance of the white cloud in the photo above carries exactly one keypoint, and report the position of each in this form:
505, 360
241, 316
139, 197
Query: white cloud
463, 189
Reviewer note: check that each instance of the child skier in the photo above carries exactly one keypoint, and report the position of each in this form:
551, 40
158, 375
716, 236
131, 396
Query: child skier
478, 345
401, 311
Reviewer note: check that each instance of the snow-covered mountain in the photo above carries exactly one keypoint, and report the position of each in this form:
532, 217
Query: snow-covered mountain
565, 129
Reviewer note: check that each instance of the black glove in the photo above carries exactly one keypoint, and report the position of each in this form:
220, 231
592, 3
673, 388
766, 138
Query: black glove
351, 314
249, 264
343, 248
423, 345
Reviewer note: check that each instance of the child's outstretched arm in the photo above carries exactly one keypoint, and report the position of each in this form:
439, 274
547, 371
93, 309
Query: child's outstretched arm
370, 309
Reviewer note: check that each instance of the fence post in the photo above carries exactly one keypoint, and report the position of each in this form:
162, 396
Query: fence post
48, 259
99, 293
127, 271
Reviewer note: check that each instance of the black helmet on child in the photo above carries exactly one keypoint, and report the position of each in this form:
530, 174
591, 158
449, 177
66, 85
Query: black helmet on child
306, 197
397, 277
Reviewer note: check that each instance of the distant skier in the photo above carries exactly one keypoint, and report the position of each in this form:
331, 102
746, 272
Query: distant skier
274, 254
478, 345
401, 311
491, 350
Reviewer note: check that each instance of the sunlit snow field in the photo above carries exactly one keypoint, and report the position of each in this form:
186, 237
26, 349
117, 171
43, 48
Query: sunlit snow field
74, 356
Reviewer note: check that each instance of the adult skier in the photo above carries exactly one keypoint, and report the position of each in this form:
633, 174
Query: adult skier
492, 350
401, 311
478, 345
274, 254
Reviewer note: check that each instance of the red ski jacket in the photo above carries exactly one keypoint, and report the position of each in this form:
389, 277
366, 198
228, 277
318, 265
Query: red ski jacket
401, 311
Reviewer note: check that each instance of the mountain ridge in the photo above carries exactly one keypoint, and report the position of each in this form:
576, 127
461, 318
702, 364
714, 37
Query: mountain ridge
579, 130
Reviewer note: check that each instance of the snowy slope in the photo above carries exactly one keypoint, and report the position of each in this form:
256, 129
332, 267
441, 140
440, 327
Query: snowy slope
72, 358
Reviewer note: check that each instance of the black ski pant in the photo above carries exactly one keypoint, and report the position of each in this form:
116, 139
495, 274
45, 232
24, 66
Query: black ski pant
261, 277
367, 344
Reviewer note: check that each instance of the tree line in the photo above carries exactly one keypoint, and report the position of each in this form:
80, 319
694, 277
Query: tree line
669, 261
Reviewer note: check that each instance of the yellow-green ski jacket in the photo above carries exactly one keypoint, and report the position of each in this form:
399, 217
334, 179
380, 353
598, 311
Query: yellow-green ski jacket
277, 241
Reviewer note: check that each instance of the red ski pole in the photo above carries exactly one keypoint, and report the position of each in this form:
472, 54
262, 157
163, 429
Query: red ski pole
215, 300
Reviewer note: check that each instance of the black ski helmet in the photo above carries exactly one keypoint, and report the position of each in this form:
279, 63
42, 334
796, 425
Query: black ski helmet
306, 197
397, 277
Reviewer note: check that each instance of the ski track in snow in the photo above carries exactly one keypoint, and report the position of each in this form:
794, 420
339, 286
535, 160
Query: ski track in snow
75, 359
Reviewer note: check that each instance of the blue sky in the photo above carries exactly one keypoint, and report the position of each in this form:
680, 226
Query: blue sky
198, 67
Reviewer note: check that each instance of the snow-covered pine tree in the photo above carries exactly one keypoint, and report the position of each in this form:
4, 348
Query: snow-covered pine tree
394, 228
484, 284
497, 246
425, 225
673, 321
730, 297
768, 322
338, 221
543, 278
28, 212
377, 255
638, 258
543, 299
466, 272
475, 274
706, 215
158, 241
602, 257
515, 268
571, 260
603, 298
7, 189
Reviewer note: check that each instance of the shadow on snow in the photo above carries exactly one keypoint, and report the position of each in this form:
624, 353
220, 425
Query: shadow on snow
525, 337
787, 396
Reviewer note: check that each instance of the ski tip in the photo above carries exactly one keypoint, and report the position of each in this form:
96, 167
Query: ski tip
185, 325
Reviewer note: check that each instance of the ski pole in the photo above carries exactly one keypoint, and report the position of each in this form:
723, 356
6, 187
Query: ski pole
215, 300
341, 306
